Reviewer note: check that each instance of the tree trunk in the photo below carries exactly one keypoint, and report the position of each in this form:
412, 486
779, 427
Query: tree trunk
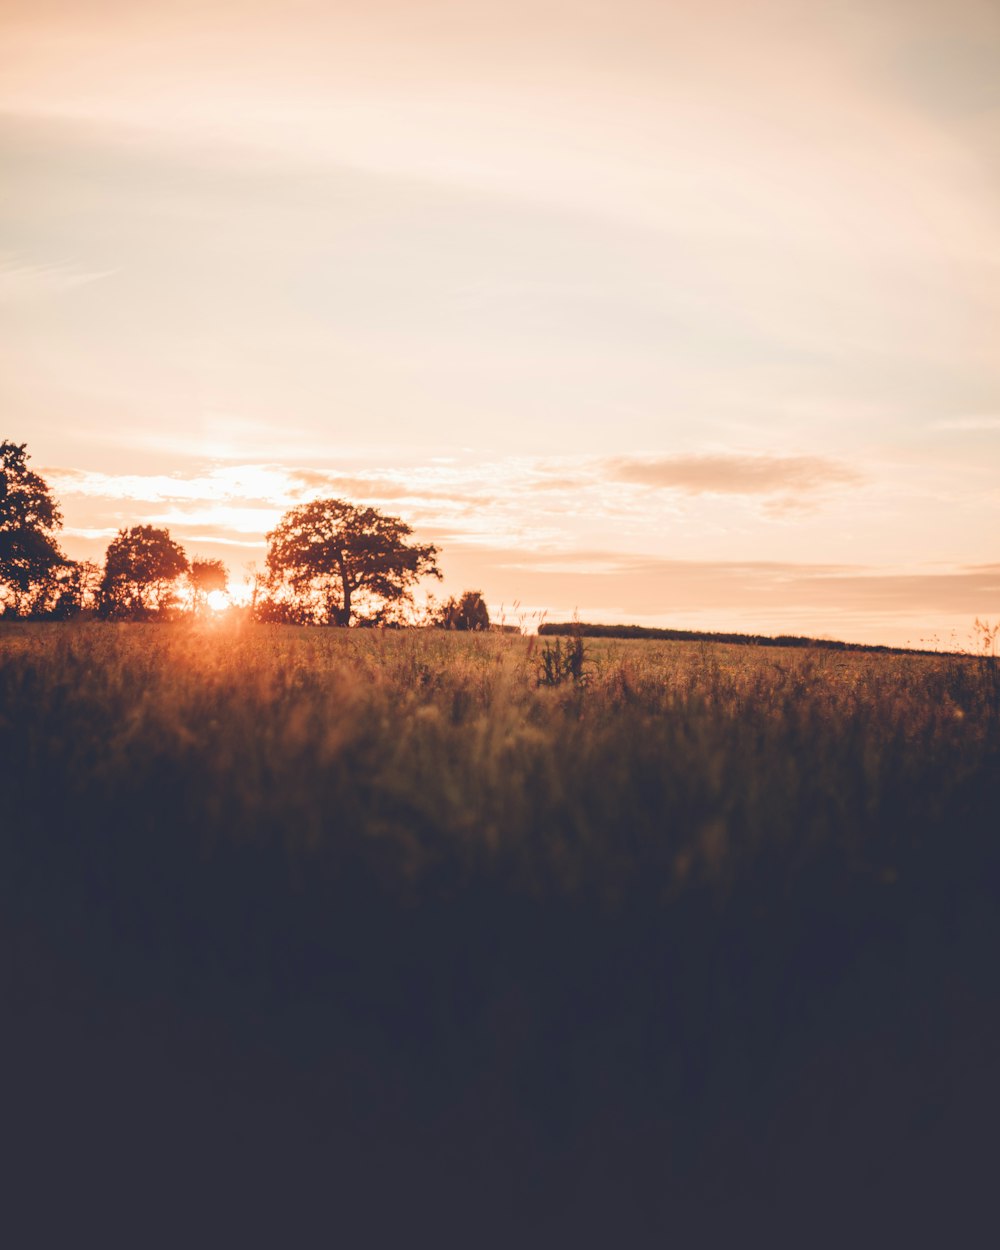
344, 615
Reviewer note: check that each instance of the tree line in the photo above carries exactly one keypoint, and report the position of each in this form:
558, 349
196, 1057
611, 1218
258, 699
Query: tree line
585, 629
329, 562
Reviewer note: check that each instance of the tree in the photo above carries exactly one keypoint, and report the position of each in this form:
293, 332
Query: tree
72, 588
206, 576
141, 569
469, 612
329, 558
30, 559
88, 579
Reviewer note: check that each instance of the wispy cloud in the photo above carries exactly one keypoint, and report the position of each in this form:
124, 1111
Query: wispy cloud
271, 486
246, 483
729, 474
985, 421
751, 592
22, 279
379, 487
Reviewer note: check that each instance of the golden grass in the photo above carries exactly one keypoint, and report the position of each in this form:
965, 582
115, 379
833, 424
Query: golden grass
675, 757
713, 916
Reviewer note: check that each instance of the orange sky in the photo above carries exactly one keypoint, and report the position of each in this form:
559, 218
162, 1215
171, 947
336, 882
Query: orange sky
683, 314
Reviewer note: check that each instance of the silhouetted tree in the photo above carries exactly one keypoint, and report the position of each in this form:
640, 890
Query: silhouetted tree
468, 612
73, 588
206, 576
67, 589
88, 579
30, 560
141, 569
328, 558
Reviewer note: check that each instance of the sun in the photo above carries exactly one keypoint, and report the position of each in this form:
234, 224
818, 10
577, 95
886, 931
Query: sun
217, 600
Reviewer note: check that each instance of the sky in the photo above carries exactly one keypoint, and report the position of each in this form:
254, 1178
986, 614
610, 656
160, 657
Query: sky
682, 314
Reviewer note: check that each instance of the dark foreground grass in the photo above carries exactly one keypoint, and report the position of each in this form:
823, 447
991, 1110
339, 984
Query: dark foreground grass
329, 937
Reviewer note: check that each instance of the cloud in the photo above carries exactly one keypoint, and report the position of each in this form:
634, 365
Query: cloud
21, 279
377, 487
971, 423
314, 482
559, 483
732, 594
729, 474
78, 531
264, 484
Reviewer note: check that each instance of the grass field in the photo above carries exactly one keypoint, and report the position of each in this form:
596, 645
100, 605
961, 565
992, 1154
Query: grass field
429, 929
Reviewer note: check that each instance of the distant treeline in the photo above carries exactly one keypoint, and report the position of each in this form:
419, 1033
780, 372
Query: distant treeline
582, 629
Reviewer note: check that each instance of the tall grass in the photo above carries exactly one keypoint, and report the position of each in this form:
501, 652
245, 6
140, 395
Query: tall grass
600, 929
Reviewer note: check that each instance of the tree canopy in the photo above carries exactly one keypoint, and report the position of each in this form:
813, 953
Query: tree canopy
467, 613
330, 560
141, 569
33, 570
205, 577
